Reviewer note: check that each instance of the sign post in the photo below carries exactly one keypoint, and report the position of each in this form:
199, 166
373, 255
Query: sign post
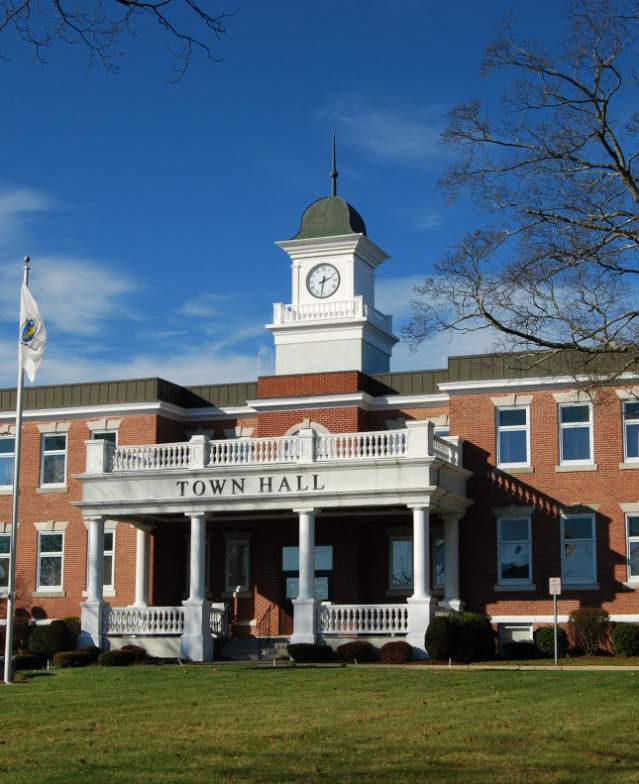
554, 589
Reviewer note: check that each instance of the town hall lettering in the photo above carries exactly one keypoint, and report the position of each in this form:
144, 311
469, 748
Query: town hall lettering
297, 483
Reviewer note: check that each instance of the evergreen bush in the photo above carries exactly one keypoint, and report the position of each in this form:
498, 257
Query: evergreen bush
625, 639
359, 651
463, 637
138, 653
520, 650
72, 659
590, 626
395, 652
51, 638
23, 660
545, 641
116, 658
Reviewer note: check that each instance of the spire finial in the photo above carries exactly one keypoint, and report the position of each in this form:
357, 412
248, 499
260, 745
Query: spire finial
334, 172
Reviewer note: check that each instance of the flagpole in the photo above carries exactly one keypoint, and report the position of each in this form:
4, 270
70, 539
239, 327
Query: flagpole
11, 597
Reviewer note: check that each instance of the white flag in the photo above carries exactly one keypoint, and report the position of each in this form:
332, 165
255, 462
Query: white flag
33, 334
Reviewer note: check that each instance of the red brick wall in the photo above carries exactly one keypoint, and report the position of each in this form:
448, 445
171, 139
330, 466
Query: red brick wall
345, 419
308, 384
473, 417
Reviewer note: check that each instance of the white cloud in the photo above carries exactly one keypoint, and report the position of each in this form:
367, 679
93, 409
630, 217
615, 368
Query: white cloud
434, 352
393, 295
427, 220
204, 306
401, 136
75, 295
14, 205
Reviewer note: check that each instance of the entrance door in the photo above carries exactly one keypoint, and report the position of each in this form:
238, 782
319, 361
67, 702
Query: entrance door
290, 581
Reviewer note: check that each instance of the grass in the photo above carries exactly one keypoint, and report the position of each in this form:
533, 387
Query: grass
567, 661
331, 725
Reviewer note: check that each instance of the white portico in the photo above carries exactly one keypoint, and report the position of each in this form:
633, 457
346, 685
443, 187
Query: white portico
310, 474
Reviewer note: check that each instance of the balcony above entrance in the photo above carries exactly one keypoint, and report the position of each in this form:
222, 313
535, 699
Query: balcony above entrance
390, 467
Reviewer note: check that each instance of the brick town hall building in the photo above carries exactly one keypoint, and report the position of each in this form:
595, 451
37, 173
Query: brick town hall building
330, 500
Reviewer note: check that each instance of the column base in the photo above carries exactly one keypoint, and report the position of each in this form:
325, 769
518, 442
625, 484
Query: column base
196, 642
452, 604
421, 611
304, 621
91, 632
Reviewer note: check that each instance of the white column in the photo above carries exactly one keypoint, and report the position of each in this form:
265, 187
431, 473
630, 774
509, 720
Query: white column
304, 605
452, 598
196, 642
420, 605
92, 609
141, 567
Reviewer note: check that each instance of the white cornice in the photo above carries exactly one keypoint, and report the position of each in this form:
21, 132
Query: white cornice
480, 385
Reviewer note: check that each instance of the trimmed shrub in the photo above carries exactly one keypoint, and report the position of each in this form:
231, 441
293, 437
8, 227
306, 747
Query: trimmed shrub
545, 641
625, 639
51, 638
73, 625
23, 660
115, 659
137, 652
396, 652
357, 651
306, 653
93, 651
520, 650
22, 628
72, 659
590, 627
463, 637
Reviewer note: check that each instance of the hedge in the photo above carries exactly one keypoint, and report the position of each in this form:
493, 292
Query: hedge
545, 641
358, 651
51, 638
137, 652
72, 659
625, 639
116, 658
463, 637
520, 650
23, 660
590, 627
395, 652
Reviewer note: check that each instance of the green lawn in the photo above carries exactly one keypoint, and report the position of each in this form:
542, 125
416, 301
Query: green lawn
242, 724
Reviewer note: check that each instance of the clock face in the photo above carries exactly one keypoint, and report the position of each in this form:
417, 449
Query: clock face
323, 280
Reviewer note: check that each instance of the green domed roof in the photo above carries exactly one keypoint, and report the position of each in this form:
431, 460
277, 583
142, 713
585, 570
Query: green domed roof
330, 216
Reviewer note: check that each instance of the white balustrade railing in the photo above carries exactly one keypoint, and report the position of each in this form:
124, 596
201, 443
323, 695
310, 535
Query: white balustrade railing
219, 620
143, 620
150, 458
251, 451
360, 446
362, 619
319, 311
446, 450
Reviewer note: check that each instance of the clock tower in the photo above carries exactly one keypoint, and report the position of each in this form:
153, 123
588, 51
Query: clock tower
331, 323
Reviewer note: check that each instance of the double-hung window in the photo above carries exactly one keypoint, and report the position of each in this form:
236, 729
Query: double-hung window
7, 448
237, 565
50, 561
632, 527
631, 431
578, 549
105, 435
401, 564
575, 433
5, 546
54, 459
514, 551
513, 436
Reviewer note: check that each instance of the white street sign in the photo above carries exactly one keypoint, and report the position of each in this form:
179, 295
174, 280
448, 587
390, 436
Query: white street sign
554, 586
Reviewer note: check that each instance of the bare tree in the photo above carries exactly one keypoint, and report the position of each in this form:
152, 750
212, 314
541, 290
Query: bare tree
554, 169
100, 26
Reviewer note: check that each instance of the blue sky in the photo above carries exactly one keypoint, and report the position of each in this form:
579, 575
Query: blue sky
150, 209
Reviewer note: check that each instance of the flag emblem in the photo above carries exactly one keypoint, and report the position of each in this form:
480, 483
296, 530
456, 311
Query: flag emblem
29, 330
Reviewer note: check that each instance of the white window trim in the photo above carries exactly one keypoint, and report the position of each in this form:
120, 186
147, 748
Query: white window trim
510, 580
398, 589
512, 429
50, 588
230, 589
95, 434
5, 455
627, 459
53, 452
630, 578
592, 539
572, 425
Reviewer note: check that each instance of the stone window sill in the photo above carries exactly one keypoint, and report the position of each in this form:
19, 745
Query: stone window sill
110, 592
579, 587
6, 490
514, 588
52, 489
49, 594
517, 469
560, 469
629, 466
632, 584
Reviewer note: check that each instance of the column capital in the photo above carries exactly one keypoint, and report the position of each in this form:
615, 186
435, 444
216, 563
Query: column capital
306, 510
450, 516
92, 518
426, 505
